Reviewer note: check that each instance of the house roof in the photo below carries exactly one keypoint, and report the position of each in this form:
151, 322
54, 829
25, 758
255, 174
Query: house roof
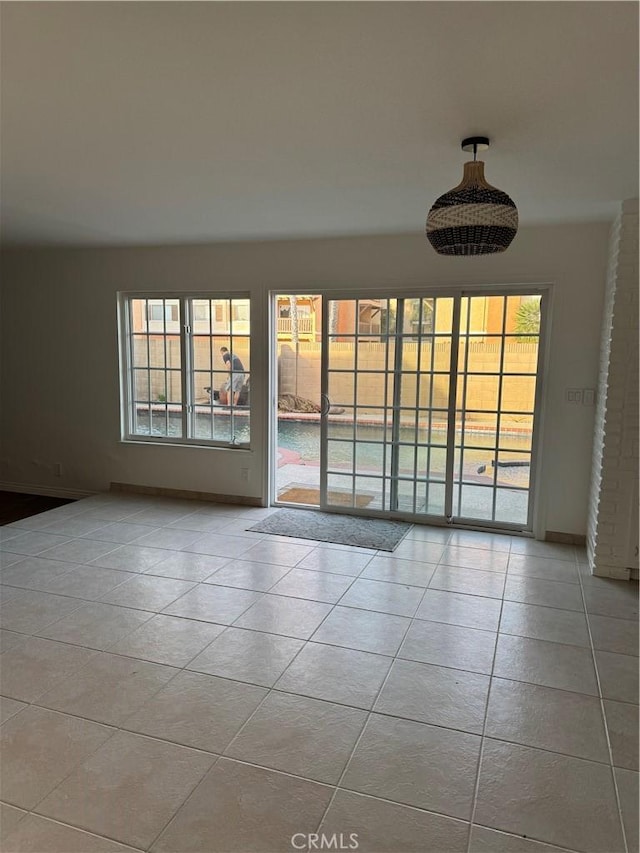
163, 122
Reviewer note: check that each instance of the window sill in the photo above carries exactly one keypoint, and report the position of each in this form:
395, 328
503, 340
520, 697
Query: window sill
184, 444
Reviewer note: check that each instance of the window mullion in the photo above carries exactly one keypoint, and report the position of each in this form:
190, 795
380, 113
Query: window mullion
186, 344
148, 339
166, 382
129, 368
230, 393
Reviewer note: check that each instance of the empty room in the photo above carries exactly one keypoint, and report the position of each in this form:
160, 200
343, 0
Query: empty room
319, 427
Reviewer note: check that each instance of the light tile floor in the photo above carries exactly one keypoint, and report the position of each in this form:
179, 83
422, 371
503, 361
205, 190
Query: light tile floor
172, 682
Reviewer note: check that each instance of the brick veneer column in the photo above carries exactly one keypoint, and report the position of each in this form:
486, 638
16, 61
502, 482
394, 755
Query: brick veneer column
614, 476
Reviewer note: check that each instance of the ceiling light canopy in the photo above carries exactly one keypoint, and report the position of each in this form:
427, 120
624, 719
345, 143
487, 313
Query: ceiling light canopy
473, 218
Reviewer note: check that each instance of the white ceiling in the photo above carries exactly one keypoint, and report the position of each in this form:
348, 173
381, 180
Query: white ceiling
145, 122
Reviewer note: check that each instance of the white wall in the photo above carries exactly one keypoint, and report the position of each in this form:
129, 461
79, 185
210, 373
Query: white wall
60, 396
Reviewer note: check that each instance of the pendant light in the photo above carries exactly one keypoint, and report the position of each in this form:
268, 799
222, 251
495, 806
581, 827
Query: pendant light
473, 218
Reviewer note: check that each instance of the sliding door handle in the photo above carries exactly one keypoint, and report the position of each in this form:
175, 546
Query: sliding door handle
325, 405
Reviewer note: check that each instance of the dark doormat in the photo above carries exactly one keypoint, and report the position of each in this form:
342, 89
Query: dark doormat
375, 533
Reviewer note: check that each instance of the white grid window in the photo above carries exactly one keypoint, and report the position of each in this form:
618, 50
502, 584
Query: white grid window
186, 369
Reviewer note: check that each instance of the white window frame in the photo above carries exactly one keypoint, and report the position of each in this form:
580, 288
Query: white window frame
185, 331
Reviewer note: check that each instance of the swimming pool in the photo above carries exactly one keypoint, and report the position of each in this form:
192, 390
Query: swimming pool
303, 438
370, 453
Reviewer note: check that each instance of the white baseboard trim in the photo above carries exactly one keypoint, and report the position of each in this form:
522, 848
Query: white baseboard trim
566, 538
47, 491
185, 494
615, 572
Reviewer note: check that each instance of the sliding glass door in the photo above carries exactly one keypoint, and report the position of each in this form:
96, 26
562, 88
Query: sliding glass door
498, 364
387, 397
428, 406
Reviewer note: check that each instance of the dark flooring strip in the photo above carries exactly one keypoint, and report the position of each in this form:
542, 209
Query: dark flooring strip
16, 505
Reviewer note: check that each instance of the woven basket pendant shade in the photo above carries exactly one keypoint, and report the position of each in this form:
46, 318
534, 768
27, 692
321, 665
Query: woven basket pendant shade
474, 218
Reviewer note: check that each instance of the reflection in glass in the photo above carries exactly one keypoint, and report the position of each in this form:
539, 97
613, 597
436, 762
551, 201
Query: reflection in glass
476, 502
512, 506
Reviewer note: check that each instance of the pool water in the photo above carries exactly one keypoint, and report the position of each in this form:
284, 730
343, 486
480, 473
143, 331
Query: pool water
217, 428
304, 438
369, 454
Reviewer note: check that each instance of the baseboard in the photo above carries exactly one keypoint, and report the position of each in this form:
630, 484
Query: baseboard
565, 538
614, 572
47, 491
186, 494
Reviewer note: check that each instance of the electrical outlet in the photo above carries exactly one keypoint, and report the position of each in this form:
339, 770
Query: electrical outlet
244, 475
588, 397
57, 469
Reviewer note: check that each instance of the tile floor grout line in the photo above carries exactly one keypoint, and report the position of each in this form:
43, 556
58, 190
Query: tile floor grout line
547, 749
362, 794
119, 725
186, 666
108, 649
76, 598
278, 770
272, 688
351, 754
182, 804
122, 725
510, 835
29, 812
605, 720
78, 764
66, 574
584, 611
117, 840
39, 636
115, 654
483, 736
117, 729
393, 658
53, 622
409, 806
154, 613
120, 728
269, 690
383, 555
179, 670
61, 575
246, 764
370, 711
78, 539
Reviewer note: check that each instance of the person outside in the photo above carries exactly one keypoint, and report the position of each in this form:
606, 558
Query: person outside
236, 375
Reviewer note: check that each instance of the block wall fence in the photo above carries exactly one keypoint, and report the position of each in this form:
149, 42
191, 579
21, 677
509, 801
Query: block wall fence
300, 374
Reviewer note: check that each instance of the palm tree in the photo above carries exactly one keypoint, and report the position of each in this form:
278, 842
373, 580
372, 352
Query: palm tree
295, 331
528, 320
333, 317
